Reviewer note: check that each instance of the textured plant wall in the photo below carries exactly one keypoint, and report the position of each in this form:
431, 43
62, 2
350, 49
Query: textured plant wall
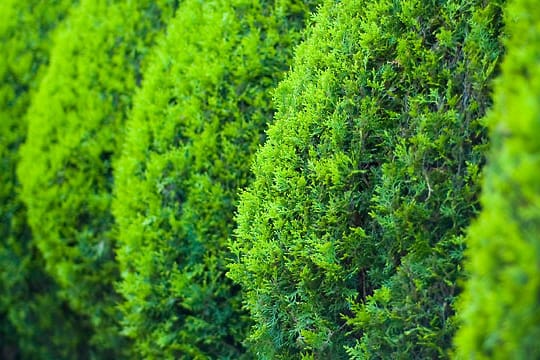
237, 179
75, 127
350, 240
500, 309
35, 323
200, 116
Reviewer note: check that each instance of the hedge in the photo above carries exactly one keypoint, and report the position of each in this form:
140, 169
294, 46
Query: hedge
350, 239
35, 323
75, 127
500, 308
198, 119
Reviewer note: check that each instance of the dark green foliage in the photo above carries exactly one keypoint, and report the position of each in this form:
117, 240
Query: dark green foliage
429, 186
500, 308
35, 323
199, 118
351, 235
75, 121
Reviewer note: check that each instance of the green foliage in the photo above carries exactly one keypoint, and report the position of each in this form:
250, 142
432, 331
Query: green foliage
353, 227
35, 324
198, 119
500, 308
75, 122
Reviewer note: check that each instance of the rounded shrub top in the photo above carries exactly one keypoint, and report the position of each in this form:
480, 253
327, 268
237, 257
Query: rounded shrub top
350, 236
500, 308
197, 121
75, 123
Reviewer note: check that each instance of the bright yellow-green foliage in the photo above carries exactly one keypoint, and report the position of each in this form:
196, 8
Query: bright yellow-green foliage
500, 308
34, 322
75, 125
367, 180
200, 116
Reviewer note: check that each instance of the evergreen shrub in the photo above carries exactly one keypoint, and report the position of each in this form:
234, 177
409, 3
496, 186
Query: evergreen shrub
198, 119
350, 239
75, 126
500, 307
34, 322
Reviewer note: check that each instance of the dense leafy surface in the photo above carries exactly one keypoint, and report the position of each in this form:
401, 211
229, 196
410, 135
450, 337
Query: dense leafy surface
66, 171
367, 180
351, 223
501, 305
197, 121
34, 322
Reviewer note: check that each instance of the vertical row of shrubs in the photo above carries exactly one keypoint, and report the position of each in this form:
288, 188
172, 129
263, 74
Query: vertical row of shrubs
75, 127
201, 114
500, 309
351, 236
34, 321
351, 219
